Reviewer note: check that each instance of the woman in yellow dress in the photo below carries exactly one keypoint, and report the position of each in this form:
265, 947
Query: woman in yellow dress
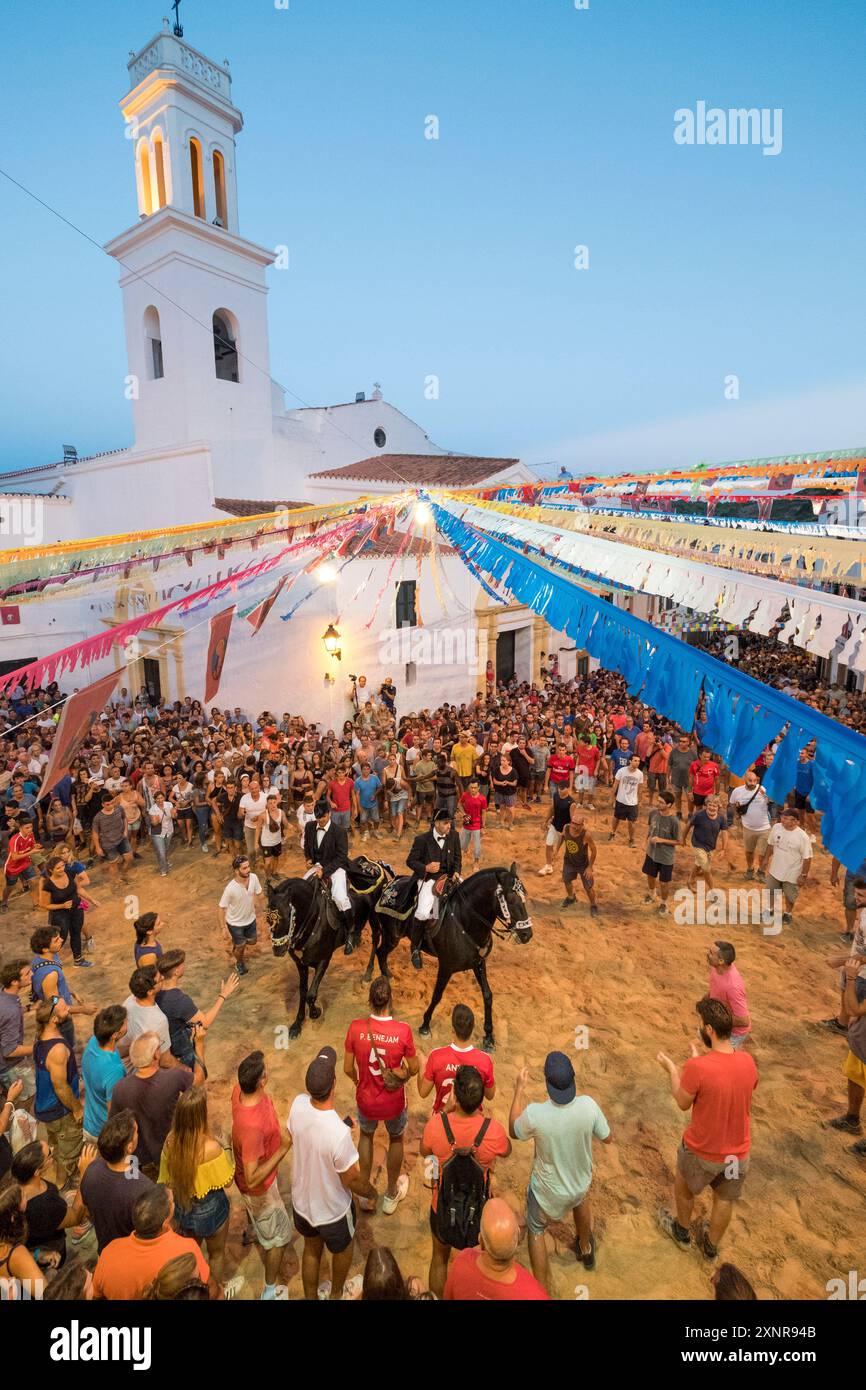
199, 1171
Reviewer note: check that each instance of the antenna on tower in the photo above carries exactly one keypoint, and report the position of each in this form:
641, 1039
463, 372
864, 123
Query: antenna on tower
178, 27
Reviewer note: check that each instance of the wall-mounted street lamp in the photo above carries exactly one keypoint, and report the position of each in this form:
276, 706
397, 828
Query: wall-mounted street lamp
331, 639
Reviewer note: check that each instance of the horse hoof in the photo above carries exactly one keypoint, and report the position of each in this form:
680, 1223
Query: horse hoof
424, 1030
367, 976
295, 1031
348, 949
315, 1011
488, 1045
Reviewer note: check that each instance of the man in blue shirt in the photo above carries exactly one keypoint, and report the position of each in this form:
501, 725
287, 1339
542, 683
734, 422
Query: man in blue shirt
367, 790
102, 1068
620, 755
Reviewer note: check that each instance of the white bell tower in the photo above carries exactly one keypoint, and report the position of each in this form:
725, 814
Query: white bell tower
194, 291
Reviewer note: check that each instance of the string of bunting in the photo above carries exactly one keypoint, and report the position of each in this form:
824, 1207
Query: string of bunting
83, 654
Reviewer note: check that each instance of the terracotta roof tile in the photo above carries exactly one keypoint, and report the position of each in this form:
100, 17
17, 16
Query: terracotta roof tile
246, 506
414, 470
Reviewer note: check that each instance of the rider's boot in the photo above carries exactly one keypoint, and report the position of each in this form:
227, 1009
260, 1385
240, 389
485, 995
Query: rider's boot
347, 917
416, 936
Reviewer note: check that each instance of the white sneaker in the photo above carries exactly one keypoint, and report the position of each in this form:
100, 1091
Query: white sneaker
324, 1290
232, 1288
353, 1288
545, 869
205, 850
389, 1204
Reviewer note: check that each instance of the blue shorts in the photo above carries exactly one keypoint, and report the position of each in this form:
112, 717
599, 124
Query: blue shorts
737, 1039
371, 814
206, 1215
24, 876
243, 936
342, 818
394, 1126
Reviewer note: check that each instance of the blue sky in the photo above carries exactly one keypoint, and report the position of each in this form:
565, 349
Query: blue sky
412, 257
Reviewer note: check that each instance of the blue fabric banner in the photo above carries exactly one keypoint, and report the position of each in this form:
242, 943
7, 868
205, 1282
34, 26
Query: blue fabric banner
742, 714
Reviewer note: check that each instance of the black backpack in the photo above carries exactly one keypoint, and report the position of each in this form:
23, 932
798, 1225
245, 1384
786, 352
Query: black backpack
464, 1187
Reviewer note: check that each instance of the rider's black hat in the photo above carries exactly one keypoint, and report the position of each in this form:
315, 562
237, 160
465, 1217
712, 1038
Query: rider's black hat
321, 808
442, 815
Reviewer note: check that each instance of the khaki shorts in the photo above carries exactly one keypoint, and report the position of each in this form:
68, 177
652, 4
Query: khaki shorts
267, 1212
66, 1140
789, 890
755, 840
699, 1173
702, 858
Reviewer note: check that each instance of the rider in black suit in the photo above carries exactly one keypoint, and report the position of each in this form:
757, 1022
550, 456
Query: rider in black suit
328, 855
434, 854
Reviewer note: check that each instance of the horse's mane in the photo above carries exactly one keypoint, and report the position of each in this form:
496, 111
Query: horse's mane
460, 889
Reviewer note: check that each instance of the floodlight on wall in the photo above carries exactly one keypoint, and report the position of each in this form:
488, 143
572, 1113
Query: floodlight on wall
326, 574
423, 514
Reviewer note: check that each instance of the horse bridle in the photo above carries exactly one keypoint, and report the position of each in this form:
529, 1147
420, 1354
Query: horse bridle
504, 915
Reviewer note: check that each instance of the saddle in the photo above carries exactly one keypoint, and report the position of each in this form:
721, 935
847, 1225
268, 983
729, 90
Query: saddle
365, 875
398, 898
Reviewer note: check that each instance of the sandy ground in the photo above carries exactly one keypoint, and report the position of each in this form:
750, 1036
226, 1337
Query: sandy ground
630, 977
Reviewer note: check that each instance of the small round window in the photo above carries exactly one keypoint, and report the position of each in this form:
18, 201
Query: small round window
380, 439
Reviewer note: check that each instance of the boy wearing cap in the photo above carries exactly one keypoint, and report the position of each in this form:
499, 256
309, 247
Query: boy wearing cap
563, 1128
325, 1173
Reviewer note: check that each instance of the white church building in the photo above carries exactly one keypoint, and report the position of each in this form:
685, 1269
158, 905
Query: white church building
213, 437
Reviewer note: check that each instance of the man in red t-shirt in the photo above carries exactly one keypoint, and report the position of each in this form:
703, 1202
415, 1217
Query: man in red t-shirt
560, 769
703, 777
19, 860
259, 1149
465, 1120
443, 1062
588, 755
342, 798
378, 1049
490, 1271
717, 1087
473, 805
618, 718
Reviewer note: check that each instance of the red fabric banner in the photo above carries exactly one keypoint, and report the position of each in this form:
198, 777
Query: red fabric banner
79, 715
220, 624
257, 615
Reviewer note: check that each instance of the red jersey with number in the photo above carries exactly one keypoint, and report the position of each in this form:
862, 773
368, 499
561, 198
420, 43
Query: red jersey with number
442, 1066
587, 757
377, 1043
559, 767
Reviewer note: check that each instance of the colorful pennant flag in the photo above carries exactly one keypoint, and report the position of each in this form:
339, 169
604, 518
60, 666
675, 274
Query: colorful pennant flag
257, 615
79, 715
220, 625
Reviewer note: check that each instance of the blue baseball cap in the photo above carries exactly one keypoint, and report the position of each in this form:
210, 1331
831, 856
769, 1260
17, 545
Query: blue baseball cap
559, 1078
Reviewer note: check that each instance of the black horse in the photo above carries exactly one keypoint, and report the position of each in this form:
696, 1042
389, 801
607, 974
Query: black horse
464, 938
305, 925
